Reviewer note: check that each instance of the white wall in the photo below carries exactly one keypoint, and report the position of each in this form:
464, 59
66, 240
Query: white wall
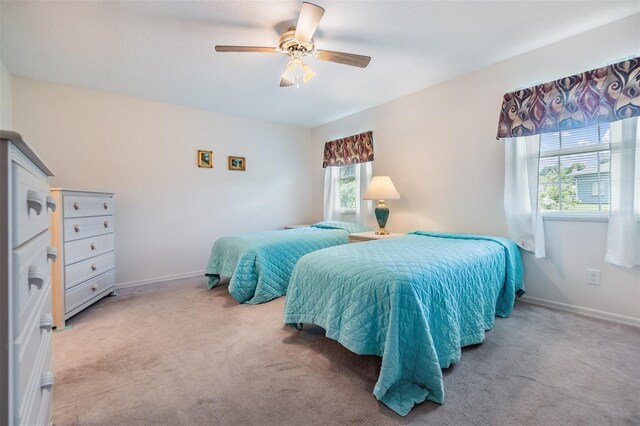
168, 211
6, 109
438, 145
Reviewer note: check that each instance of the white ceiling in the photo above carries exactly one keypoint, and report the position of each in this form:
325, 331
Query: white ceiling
164, 50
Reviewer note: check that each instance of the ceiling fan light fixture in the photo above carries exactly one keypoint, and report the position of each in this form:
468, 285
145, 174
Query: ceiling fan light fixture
308, 73
296, 70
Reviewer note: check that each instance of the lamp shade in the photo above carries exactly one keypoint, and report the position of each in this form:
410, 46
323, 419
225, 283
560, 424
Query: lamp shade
381, 188
296, 69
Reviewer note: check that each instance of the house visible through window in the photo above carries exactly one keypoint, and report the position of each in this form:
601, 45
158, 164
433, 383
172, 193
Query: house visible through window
574, 170
348, 189
597, 188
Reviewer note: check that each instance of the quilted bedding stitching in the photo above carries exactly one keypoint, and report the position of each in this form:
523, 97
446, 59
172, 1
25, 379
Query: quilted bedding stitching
260, 263
415, 300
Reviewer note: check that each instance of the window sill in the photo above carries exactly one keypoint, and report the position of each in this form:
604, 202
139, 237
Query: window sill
576, 217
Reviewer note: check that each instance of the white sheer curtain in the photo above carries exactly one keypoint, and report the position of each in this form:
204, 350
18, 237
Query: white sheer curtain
623, 235
524, 220
364, 208
332, 193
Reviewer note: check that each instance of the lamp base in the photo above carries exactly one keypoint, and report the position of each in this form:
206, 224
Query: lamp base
382, 215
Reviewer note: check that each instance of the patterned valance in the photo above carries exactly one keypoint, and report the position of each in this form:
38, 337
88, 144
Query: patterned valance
350, 150
602, 95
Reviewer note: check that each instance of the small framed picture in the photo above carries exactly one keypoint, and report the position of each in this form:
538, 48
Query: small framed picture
205, 159
237, 163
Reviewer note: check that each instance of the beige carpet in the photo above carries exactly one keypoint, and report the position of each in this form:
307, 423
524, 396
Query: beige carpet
177, 353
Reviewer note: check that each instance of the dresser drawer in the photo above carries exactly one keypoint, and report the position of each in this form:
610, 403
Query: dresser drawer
31, 264
78, 228
33, 348
86, 248
82, 271
88, 290
82, 206
39, 389
30, 201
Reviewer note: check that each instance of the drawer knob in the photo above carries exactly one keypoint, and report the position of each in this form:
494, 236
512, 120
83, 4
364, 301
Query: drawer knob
52, 254
106, 206
36, 276
94, 267
46, 380
34, 201
76, 206
76, 228
93, 246
46, 322
94, 287
51, 203
106, 224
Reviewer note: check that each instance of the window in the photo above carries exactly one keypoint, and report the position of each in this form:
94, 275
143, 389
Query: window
574, 170
343, 190
348, 189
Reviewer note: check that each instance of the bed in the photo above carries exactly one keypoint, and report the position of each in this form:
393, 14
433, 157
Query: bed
260, 263
414, 300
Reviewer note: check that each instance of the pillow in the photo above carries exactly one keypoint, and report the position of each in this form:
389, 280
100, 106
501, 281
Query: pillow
351, 228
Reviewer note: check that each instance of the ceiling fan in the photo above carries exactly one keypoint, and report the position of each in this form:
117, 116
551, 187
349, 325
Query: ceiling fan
297, 42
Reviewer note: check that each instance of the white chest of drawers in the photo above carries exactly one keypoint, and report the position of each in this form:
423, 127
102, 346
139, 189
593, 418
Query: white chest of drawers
26, 377
83, 234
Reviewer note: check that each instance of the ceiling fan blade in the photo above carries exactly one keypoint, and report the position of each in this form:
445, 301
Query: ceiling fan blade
245, 49
285, 83
310, 15
343, 58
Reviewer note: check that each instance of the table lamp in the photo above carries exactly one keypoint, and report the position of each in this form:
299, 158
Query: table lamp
381, 188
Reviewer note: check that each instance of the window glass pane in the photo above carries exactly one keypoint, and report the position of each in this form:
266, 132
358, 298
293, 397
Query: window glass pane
576, 182
592, 181
549, 142
583, 136
348, 171
550, 190
605, 134
347, 189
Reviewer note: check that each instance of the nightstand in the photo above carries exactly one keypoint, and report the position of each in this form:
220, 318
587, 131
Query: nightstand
370, 236
295, 226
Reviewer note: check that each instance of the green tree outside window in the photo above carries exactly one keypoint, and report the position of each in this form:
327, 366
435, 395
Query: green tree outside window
558, 190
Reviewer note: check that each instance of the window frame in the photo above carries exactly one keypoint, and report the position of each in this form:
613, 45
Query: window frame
600, 216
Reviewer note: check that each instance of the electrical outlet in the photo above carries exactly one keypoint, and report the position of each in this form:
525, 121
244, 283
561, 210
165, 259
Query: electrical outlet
593, 276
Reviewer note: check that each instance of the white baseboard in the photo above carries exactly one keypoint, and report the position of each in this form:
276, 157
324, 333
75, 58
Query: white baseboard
159, 279
623, 319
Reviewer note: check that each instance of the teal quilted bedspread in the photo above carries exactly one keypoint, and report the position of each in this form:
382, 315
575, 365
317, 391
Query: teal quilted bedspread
260, 263
414, 300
